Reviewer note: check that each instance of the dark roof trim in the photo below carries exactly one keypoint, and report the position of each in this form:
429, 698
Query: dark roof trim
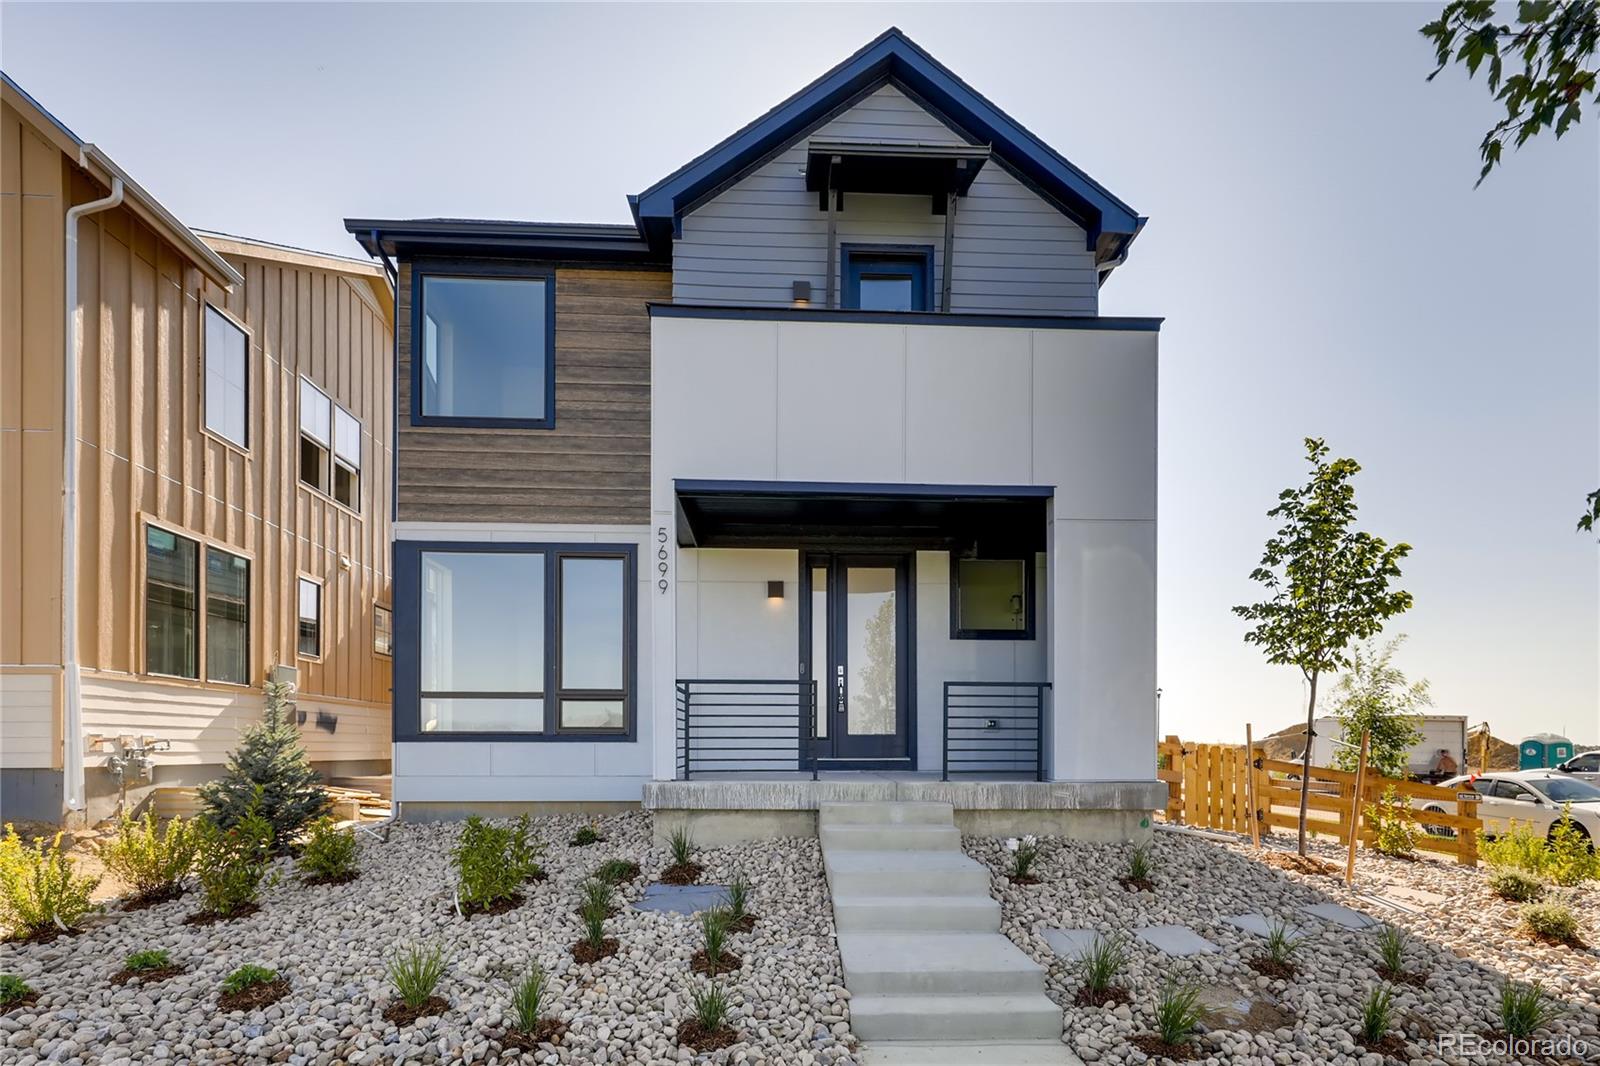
866, 490
404, 238
905, 318
891, 55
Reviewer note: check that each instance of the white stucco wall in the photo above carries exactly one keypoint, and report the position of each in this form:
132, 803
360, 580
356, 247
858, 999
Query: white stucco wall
1074, 409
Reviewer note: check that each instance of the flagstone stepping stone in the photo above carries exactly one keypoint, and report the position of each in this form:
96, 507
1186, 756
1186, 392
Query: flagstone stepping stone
1342, 915
681, 899
1069, 943
1175, 940
1256, 923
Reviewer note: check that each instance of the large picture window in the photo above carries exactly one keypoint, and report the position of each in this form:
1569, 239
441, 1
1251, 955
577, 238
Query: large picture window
529, 640
175, 642
991, 599
483, 346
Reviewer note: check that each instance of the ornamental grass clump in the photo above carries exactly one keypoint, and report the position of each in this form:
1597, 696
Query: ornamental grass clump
233, 865
416, 973
684, 870
15, 992
1141, 869
1024, 853
1377, 1018
487, 872
708, 1029
1392, 943
328, 856
149, 858
1178, 1011
251, 987
594, 945
531, 1027
740, 920
1282, 941
714, 958
41, 895
616, 871
1525, 1009
1102, 962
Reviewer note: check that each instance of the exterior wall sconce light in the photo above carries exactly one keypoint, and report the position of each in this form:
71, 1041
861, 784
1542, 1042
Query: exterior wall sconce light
802, 293
774, 590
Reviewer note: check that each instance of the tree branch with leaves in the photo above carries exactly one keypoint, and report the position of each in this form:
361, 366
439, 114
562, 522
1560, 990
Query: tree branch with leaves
1327, 585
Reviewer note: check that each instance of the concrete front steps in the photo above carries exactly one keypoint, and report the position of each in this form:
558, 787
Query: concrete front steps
931, 979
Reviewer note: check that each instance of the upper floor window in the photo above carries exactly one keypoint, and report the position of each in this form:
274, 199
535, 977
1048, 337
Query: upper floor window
330, 447
308, 630
226, 357
888, 279
484, 346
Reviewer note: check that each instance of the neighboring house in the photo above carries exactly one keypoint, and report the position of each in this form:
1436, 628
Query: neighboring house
226, 509
825, 466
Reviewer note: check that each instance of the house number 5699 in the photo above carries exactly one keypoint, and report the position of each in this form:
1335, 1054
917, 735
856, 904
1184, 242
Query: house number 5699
661, 558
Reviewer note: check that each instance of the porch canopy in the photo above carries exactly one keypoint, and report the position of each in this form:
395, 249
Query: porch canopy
989, 519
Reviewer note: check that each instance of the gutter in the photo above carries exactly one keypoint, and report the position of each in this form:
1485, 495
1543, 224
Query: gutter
73, 754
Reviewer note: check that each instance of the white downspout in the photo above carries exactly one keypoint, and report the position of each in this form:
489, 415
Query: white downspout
73, 754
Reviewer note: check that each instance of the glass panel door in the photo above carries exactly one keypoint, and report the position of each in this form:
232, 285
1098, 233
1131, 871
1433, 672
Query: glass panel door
854, 649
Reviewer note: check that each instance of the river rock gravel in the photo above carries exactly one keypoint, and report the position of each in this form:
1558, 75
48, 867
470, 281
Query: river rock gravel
1463, 937
333, 942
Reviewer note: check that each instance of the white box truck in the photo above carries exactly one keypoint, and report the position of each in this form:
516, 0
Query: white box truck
1441, 753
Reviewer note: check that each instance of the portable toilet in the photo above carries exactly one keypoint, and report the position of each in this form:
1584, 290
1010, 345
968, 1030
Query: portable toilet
1543, 750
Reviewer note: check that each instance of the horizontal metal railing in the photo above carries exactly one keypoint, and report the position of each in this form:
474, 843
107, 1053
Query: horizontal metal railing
994, 728
746, 726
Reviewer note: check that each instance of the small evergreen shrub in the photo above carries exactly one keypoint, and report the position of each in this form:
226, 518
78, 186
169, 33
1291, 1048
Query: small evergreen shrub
1551, 921
527, 998
1178, 1011
150, 859
1525, 1009
233, 863
1394, 831
416, 973
149, 959
329, 853
247, 977
486, 868
269, 775
1377, 1014
13, 990
40, 892
1515, 885
586, 836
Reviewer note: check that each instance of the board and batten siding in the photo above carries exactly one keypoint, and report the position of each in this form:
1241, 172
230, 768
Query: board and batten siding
593, 466
1014, 251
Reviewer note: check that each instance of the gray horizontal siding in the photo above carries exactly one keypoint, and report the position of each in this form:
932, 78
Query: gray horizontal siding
1013, 250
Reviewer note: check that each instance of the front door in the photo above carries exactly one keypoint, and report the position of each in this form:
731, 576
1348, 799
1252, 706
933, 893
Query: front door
854, 644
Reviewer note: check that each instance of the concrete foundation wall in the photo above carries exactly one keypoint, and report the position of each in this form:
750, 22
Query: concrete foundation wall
454, 811
32, 795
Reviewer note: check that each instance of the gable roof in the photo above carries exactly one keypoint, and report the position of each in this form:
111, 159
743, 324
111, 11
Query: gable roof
894, 57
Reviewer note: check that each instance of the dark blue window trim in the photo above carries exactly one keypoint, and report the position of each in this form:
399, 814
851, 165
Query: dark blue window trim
1029, 602
862, 259
407, 715
482, 268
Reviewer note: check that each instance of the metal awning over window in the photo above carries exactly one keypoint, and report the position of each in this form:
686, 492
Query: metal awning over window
932, 170
995, 520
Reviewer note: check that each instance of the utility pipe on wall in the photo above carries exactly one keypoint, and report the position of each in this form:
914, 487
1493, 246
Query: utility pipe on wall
73, 755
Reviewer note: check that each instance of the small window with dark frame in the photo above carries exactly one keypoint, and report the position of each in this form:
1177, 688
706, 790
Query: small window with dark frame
227, 617
309, 630
991, 598
592, 688
316, 435
382, 630
171, 608
227, 349
346, 458
886, 280
485, 349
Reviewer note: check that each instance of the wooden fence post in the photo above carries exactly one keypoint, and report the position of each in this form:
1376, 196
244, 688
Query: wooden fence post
1467, 835
1250, 785
1355, 811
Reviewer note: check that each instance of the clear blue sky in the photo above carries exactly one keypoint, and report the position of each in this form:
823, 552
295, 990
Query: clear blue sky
1315, 243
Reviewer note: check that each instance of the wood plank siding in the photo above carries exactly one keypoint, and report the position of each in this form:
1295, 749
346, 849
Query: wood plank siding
1014, 251
593, 466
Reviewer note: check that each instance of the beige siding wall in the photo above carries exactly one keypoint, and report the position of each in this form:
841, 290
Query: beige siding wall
28, 735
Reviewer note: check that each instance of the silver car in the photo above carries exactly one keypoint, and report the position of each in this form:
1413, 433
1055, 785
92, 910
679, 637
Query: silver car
1585, 765
1529, 797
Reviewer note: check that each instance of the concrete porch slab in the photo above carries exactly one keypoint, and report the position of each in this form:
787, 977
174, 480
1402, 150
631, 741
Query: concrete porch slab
1177, 940
681, 899
1259, 924
1341, 915
1069, 943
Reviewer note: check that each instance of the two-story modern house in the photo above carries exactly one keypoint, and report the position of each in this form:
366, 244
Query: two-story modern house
194, 487
824, 478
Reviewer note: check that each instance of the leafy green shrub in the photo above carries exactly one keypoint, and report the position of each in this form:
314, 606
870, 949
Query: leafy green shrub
416, 972
1392, 943
152, 860
13, 989
1024, 853
682, 845
233, 863
149, 959
586, 836
1102, 961
486, 868
329, 853
39, 891
1552, 921
1282, 942
1394, 831
616, 871
1525, 1009
1518, 848
1515, 885
710, 1006
248, 976
1377, 1013
1178, 1011
527, 998
269, 775
1571, 860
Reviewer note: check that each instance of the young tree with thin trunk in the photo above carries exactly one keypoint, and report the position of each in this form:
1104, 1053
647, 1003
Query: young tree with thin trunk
1376, 698
1327, 584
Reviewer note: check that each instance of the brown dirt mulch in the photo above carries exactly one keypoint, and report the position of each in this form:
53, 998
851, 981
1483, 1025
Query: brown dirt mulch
152, 899
1577, 943
729, 963
576, 843
1109, 997
335, 879
255, 996
1300, 864
1402, 977
682, 873
744, 923
548, 1031
20, 1002
537, 876
1025, 879
1158, 1048
584, 952
40, 936
1267, 967
499, 906
1137, 884
212, 918
402, 1015
160, 973
1388, 1044
691, 1034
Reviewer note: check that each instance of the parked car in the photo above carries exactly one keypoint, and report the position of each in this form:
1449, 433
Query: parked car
1585, 765
1533, 797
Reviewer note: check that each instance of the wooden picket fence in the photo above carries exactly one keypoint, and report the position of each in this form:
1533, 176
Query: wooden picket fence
1209, 787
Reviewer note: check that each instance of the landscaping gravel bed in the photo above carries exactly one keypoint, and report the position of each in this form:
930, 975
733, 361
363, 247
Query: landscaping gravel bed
332, 943
1465, 939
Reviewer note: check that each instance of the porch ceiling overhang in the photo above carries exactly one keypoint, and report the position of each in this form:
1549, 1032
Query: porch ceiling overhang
991, 519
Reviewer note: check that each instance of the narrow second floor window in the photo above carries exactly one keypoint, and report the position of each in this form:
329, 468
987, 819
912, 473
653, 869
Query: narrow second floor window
227, 391
309, 630
171, 604
382, 630
330, 447
485, 351
346, 458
